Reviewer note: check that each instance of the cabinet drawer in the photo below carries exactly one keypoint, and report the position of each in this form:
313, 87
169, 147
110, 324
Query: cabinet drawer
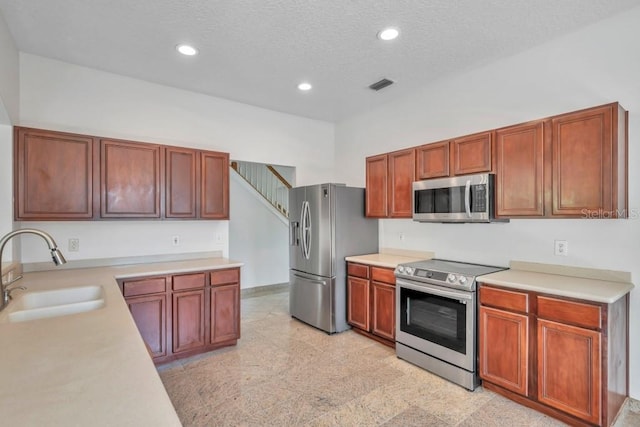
358, 270
571, 312
145, 286
188, 281
222, 277
502, 298
384, 275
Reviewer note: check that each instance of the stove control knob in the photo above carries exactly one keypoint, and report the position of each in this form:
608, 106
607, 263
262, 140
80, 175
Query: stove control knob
451, 278
462, 280
400, 269
409, 271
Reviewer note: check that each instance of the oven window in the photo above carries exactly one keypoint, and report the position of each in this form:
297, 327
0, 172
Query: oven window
440, 200
440, 320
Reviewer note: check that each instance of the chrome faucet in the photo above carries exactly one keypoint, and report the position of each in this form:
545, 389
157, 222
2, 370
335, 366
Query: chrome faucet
57, 256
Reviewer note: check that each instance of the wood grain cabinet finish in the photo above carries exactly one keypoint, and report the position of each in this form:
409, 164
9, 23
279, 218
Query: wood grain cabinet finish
188, 320
214, 185
358, 314
377, 186
56, 175
472, 154
147, 302
65, 176
371, 308
589, 162
566, 358
185, 314
389, 184
130, 179
504, 349
520, 178
432, 160
181, 169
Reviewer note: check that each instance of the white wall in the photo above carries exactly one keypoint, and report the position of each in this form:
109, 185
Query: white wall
61, 96
9, 76
6, 190
591, 67
258, 237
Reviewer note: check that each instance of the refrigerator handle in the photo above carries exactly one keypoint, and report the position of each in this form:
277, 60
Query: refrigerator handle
293, 233
305, 230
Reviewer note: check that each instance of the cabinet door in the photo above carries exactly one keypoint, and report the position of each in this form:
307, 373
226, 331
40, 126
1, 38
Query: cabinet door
149, 313
520, 170
188, 320
358, 296
402, 167
384, 310
569, 376
471, 154
225, 313
54, 175
214, 185
130, 180
377, 186
432, 160
504, 351
582, 162
180, 184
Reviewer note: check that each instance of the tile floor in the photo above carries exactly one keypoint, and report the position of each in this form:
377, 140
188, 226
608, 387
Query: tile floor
285, 373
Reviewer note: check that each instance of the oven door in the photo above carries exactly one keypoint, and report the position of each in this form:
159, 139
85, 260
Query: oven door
437, 321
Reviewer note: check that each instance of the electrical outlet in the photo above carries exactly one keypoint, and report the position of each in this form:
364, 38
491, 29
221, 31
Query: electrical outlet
175, 240
561, 247
74, 244
401, 235
219, 238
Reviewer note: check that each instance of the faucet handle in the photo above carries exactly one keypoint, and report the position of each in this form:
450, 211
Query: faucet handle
10, 282
10, 291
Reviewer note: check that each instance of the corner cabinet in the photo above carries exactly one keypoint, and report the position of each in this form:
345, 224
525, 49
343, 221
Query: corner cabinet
371, 307
185, 314
389, 184
564, 357
61, 176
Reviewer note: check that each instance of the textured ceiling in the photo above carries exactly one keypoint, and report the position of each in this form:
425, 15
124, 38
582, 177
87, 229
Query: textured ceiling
256, 51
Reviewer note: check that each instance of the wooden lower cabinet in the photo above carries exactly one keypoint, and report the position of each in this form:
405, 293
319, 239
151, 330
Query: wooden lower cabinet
185, 314
150, 314
371, 302
564, 357
188, 320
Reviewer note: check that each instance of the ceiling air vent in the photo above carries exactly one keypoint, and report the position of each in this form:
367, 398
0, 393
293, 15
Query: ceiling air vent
381, 84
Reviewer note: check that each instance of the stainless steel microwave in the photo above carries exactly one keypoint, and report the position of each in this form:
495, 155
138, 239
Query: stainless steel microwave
467, 198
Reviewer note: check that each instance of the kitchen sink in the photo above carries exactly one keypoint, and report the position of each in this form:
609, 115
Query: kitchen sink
54, 303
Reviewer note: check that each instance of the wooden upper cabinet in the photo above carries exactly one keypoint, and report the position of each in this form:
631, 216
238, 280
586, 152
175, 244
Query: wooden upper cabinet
400, 181
214, 185
377, 186
55, 175
589, 162
520, 179
130, 179
471, 154
432, 160
180, 182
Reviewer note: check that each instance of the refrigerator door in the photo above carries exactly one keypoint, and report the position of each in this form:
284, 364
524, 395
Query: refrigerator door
311, 300
312, 234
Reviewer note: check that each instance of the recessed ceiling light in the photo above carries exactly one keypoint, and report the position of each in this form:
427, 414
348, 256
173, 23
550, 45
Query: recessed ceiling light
304, 86
388, 34
185, 49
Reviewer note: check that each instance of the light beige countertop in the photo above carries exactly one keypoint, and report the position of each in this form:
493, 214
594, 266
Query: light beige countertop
588, 284
390, 258
89, 368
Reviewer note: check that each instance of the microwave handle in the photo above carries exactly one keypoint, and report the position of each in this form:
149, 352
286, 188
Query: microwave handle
467, 198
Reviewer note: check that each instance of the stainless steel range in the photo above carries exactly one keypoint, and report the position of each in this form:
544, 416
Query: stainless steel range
436, 317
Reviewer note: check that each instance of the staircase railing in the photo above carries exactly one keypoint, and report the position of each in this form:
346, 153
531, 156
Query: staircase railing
266, 180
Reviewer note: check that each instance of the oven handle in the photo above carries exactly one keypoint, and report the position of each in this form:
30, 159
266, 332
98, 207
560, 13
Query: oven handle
435, 290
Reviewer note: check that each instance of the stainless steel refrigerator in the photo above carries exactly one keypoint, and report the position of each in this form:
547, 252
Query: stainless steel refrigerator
327, 223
